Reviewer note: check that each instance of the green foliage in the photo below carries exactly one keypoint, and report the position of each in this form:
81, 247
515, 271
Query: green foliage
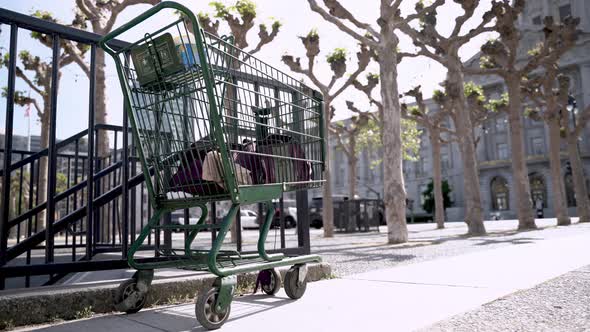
84, 313
245, 8
370, 138
485, 62
496, 105
535, 51
338, 55
372, 76
428, 202
276, 24
414, 110
410, 140
473, 90
200, 16
62, 183
313, 33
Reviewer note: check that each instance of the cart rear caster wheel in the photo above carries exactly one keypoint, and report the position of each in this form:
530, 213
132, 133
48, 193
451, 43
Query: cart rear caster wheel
270, 281
293, 287
129, 298
205, 311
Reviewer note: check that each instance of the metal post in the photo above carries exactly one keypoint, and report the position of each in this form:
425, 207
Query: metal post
90, 176
52, 153
125, 187
8, 148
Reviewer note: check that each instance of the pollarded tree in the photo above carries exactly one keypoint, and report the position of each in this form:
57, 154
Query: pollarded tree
546, 98
40, 85
573, 131
337, 61
504, 57
433, 123
347, 140
101, 16
383, 41
552, 102
239, 25
440, 134
445, 50
551, 107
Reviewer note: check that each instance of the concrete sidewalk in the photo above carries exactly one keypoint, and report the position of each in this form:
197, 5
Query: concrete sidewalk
396, 299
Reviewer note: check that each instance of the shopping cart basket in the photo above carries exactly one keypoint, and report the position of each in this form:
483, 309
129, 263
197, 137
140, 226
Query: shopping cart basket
211, 123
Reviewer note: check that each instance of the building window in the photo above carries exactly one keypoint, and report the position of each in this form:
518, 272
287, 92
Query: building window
537, 20
537, 146
565, 11
500, 124
538, 192
502, 151
500, 192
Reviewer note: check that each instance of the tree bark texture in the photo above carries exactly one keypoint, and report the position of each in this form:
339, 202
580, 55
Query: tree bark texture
556, 176
439, 207
394, 190
524, 204
43, 165
582, 200
352, 163
464, 128
327, 204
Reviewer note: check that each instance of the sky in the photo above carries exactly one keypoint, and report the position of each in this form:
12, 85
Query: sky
297, 19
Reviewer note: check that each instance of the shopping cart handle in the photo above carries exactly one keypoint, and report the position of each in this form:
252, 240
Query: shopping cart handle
147, 14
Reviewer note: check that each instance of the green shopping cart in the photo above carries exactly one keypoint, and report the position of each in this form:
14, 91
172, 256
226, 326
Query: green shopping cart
213, 123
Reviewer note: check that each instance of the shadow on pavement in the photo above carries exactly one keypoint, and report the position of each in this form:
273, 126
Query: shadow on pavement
170, 319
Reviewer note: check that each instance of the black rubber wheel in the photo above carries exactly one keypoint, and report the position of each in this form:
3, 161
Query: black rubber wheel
317, 224
125, 290
293, 288
270, 281
205, 311
290, 222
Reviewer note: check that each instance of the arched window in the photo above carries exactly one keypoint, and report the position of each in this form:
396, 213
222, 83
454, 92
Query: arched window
500, 194
570, 194
538, 190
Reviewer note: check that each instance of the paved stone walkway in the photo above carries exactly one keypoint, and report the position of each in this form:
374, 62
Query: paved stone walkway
401, 298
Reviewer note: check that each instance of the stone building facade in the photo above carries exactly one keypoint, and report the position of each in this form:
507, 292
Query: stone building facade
493, 149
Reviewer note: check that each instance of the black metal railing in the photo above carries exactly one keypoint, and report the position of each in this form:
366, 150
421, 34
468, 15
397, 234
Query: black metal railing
93, 206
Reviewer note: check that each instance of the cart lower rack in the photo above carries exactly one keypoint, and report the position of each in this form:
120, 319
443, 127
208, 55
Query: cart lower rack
213, 123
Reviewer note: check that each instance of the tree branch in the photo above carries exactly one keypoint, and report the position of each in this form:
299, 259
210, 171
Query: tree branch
20, 73
340, 25
118, 8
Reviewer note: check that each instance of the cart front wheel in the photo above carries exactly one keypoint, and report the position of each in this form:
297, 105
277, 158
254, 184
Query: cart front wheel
270, 281
129, 298
205, 311
293, 287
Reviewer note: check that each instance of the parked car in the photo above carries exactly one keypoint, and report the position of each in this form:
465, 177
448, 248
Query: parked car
290, 212
248, 219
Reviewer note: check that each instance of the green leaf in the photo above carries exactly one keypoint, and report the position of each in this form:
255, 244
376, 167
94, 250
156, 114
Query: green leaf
338, 55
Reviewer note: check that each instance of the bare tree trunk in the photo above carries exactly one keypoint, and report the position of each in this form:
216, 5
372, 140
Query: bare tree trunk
327, 204
524, 205
100, 108
464, 128
352, 162
556, 176
43, 170
394, 189
582, 200
439, 207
